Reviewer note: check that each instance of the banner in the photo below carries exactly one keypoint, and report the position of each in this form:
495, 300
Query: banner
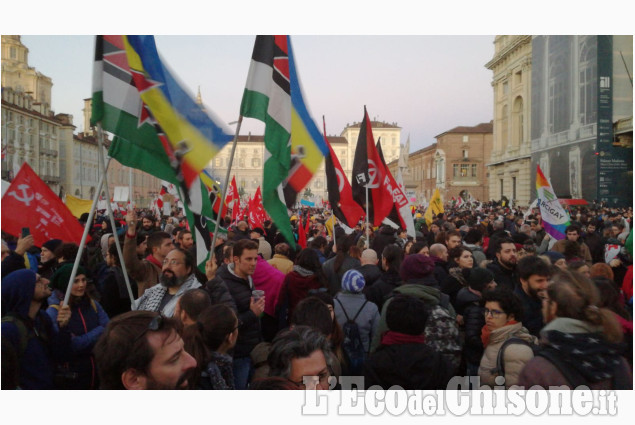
78, 206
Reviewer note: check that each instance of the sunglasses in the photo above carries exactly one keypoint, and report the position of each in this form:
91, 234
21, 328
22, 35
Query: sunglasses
155, 324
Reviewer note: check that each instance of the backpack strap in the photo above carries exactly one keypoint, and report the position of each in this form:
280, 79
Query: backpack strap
23, 332
343, 309
500, 358
360, 310
348, 319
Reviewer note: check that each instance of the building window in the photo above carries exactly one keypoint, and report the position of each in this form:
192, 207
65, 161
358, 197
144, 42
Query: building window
474, 168
465, 153
501, 184
588, 84
518, 78
255, 162
505, 88
504, 126
13, 53
514, 188
466, 139
455, 170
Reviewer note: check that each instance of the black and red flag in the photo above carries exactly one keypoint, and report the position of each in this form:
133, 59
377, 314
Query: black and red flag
393, 215
339, 189
369, 171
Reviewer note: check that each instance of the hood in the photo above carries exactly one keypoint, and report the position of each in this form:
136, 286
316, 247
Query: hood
587, 352
17, 292
465, 297
430, 295
104, 243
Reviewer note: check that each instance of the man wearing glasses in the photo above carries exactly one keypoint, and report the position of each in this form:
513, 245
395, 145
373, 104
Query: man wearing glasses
177, 277
142, 350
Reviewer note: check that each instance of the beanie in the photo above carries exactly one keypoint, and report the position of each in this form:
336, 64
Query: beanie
62, 276
52, 244
479, 278
353, 281
415, 266
554, 256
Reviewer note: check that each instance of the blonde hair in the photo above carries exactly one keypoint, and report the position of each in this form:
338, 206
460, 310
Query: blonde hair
578, 298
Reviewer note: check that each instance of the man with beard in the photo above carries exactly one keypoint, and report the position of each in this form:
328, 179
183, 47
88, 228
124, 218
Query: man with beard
147, 225
534, 276
504, 265
142, 350
177, 277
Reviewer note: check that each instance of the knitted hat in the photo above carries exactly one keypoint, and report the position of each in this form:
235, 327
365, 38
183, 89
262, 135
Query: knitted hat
415, 266
52, 244
554, 256
62, 276
353, 281
479, 278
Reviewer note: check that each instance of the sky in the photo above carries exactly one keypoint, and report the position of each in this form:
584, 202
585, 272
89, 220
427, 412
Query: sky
426, 84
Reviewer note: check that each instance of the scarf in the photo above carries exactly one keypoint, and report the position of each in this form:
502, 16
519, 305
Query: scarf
154, 261
302, 271
398, 338
151, 298
485, 332
219, 372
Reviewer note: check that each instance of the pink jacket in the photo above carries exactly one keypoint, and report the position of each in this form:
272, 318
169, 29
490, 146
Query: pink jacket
269, 279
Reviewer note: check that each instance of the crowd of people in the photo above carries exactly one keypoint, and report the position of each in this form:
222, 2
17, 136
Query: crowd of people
481, 292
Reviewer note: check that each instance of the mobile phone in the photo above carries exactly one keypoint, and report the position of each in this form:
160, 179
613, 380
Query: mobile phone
25, 232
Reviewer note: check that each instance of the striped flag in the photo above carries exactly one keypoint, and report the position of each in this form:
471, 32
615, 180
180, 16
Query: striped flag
554, 218
294, 147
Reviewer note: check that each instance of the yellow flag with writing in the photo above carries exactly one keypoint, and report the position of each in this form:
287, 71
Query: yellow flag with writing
435, 207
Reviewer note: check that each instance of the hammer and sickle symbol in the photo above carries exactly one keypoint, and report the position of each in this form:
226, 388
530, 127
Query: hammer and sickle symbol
25, 195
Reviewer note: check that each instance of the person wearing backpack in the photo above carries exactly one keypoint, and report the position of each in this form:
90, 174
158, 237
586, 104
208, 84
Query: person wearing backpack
29, 331
403, 358
581, 343
442, 331
358, 318
508, 345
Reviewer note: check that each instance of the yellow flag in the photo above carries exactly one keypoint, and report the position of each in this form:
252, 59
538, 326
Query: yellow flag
329, 224
435, 207
78, 206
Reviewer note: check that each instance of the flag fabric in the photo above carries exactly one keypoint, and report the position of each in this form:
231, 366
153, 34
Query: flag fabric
29, 202
232, 194
256, 211
407, 212
302, 231
401, 206
330, 225
554, 218
435, 207
368, 170
158, 128
339, 190
214, 192
78, 206
293, 146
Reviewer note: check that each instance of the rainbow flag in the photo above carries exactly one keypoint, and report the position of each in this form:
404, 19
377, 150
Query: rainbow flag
554, 218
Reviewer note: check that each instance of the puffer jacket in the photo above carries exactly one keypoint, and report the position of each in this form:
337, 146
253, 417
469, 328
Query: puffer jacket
382, 288
249, 333
468, 305
515, 357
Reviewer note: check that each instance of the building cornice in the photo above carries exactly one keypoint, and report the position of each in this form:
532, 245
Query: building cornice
517, 43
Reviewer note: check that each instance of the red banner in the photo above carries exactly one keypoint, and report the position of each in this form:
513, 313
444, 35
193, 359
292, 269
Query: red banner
29, 202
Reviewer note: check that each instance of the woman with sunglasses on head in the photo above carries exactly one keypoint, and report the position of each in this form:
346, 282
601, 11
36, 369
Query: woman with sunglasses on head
508, 345
210, 342
87, 323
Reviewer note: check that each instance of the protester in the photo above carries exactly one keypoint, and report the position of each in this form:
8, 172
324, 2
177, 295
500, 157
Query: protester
115, 298
534, 275
281, 259
335, 267
504, 264
391, 260
87, 323
580, 341
191, 305
142, 350
32, 339
459, 265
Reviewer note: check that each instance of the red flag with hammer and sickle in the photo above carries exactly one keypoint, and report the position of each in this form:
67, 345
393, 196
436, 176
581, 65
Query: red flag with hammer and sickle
29, 202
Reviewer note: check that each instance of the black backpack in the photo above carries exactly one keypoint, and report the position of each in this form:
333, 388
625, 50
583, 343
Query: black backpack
352, 346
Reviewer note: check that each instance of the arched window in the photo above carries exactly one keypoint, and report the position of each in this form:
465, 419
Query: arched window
517, 122
588, 83
504, 123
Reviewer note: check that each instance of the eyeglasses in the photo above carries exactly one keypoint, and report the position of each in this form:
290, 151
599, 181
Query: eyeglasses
155, 324
322, 378
240, 323
493, 313
172, 262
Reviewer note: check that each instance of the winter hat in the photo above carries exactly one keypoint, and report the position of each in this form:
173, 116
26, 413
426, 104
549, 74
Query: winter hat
416, 266
62, 276
479, 278
353, 281
52, 244
554, 256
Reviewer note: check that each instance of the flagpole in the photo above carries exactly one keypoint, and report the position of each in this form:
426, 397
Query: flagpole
227, 182
367, 225
82, 244
104, 168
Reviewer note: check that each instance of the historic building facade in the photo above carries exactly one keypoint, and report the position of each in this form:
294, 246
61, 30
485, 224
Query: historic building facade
509, 165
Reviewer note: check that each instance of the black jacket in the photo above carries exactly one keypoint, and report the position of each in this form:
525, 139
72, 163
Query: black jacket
503, 277
218, 291
384, 237
532, 312
440, 269
370, 272
468, 305
411, 366
382, 288
249, 334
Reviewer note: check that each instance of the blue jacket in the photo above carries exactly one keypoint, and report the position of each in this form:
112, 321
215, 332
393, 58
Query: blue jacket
45, 343
87, 323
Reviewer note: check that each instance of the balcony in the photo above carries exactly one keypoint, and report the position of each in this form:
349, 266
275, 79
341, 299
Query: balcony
50, 179
48, 152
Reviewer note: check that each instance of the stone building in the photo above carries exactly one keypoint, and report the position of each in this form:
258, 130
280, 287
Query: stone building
509, 165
